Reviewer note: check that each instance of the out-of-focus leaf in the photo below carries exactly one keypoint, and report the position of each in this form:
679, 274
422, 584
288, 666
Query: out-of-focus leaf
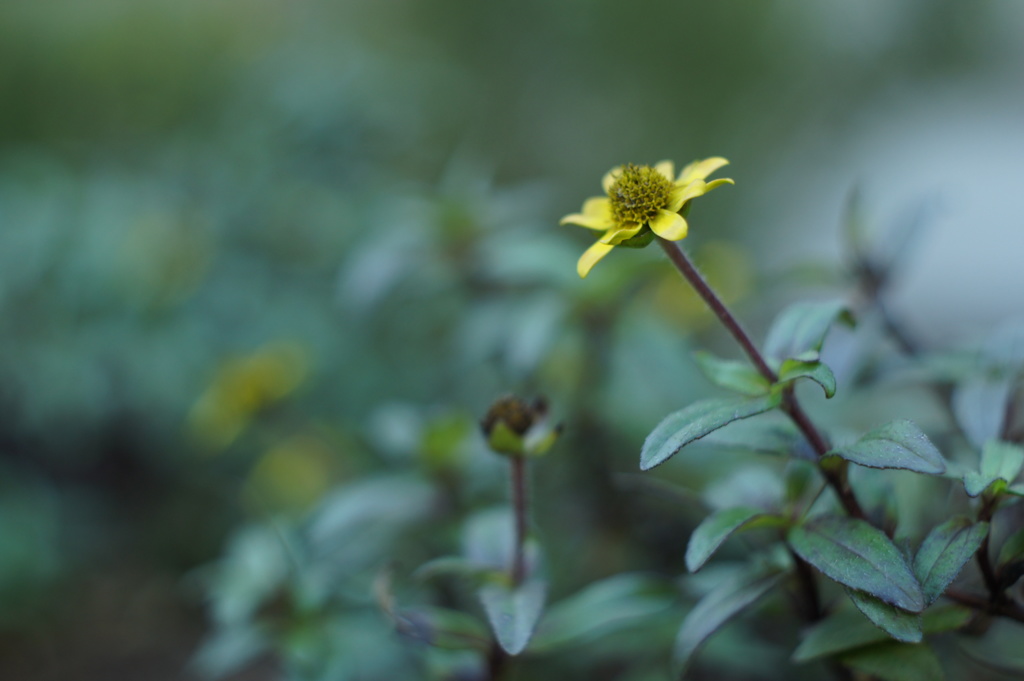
718, 527
228, 650
801, 328
718, 607
488, 540
896, 662
714, 610
1012, 549
820, 373
848, 630
1001, 463
443, 628
752, 486
452, 566
899, 444
732, 375
944, 553
694, 422
998, 649
622, 601
372, 503
979, 404
513, 612
859, 556
900, 624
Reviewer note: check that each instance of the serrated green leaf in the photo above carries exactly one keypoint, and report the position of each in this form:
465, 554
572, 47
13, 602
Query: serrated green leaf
1000, 461
792, 369
717, 608
899, 624
899, 444
513, 612
896, 662
944, 553
802, 327
694, 422
732, 375
718, 527
847, 629
859, 556
619, 602
443, 628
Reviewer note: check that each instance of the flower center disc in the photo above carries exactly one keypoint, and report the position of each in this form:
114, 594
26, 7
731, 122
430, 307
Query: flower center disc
639, 194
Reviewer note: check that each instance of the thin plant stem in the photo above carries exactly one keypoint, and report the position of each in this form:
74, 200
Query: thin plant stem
519, 508
790, 405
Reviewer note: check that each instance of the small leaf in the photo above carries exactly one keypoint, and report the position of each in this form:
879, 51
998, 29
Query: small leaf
1000, 461
717, 608
443, 628
899, 444
1012, 550
900, 624
979, 404
944, 553
732, 375
694, 422
792, 369
718, 527
847, 630
514, 612
619, 602
896, 662
802, 327
859, 556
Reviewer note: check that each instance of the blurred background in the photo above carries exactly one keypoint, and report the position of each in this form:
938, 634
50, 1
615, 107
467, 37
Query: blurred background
259, 259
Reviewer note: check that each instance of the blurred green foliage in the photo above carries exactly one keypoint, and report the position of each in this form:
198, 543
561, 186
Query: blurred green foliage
264, 264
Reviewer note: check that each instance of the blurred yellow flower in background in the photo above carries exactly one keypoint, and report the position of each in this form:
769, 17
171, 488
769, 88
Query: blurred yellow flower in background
244, 386
641, 202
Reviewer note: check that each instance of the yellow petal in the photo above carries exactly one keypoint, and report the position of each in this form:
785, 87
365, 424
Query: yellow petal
671, 226
620, 234
683, 193
597, 214
609, 178
666, 168
591, 256
698, 170
715, 184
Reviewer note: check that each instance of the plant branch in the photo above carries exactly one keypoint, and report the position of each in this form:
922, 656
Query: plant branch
519, 508
790, 405
1009, 609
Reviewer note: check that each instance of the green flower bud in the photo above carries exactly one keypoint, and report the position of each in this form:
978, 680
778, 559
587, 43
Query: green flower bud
515, 427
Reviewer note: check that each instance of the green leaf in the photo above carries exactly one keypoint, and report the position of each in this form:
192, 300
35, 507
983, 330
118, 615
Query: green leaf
766, 435
979, 404
802, 328
718, 527
859, 556
1000, 461
847, 630
717, 608
896, 662
513, 612
900, 624
732, 375
944, 553
899, 444
792, 369
443, 628
1012, 549
694, 422
619, 602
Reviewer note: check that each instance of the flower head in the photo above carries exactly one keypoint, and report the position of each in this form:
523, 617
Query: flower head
515, 427
641, 202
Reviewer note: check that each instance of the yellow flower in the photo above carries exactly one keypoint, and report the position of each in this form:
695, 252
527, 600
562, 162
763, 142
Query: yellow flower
641, 202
